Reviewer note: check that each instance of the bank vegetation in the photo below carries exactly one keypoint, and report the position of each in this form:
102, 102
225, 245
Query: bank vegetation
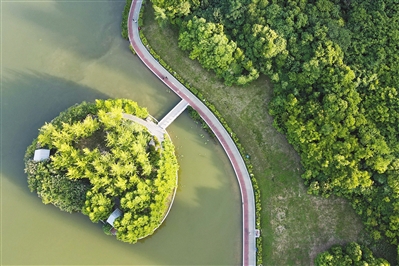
100, 161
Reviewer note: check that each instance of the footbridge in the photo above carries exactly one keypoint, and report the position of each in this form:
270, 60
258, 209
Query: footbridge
249, 231
173, 114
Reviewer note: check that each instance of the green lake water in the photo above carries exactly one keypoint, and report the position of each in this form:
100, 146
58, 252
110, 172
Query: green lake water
58, 53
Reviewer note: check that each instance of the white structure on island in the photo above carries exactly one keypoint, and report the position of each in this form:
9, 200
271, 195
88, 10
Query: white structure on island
41, 154
115, 214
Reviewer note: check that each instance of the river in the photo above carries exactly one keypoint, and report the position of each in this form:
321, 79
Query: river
58, 53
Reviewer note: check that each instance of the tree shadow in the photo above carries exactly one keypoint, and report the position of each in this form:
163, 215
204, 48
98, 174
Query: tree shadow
29, 99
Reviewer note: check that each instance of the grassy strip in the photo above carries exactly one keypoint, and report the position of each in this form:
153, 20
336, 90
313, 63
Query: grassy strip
241, 149
125, 16
132, 49
295, 226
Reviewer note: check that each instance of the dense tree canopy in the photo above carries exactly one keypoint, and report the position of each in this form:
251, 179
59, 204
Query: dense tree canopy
335, 69
350, 254
100, 161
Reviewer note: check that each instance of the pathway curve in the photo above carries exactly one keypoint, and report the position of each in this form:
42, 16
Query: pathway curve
153, 128
244, 180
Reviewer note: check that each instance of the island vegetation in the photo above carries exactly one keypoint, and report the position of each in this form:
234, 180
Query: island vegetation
100, 161
334, 68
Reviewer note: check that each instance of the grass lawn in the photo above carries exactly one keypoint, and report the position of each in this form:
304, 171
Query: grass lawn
295, 225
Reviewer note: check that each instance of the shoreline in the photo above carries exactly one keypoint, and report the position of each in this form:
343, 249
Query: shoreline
236, 160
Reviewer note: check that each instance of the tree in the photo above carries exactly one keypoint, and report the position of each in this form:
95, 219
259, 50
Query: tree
100, 159
335, 73
351, 254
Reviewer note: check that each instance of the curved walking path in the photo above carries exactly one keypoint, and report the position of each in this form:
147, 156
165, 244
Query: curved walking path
244, 180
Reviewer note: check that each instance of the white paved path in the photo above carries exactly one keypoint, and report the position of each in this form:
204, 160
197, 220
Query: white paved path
173, 114
154, 129
244, 180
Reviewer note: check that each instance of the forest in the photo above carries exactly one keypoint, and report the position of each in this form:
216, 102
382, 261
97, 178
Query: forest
334, 67
100, 161
350, 254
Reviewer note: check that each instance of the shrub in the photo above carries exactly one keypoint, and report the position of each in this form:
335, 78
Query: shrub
100, 161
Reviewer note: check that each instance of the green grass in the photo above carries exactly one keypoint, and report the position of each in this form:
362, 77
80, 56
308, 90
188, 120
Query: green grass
295, 226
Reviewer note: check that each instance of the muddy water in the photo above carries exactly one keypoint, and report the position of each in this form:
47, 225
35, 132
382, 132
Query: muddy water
55, 54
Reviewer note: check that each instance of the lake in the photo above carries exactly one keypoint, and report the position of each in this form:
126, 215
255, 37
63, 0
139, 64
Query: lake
56, 54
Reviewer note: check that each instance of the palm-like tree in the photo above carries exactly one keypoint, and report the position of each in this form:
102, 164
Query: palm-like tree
147, 169
120, 184
142, 138
112, 173
116, 169
90, 125
46, 134
73, 173
98, 166
111, 139
60, 161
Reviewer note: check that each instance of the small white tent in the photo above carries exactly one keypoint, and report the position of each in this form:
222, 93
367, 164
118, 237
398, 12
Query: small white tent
41, 154
115, 214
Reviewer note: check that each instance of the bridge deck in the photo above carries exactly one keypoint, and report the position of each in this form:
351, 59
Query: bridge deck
243, 177
173, 114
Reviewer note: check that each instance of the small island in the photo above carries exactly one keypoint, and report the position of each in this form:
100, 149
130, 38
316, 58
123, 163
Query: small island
100, 160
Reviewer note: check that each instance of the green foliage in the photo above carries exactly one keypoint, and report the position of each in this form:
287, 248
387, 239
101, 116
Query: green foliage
208, 43
340, 112
56, 188
334, 65
195, 116
125, 17
107, 229
351, 254
97, 205
172, 10
99, 160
